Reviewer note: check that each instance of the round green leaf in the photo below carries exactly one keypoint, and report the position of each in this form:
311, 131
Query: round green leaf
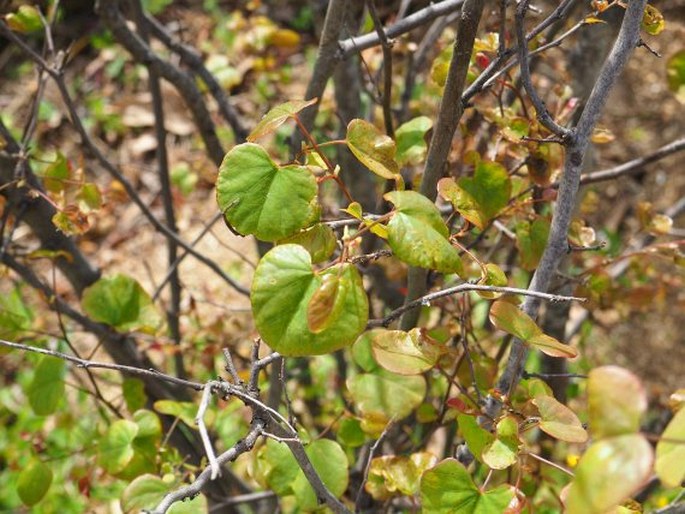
609, 472
277, 116
116, 447
616, 401
319, 240
382, 395
411, 143
33, 482
282, 289
258, 197
47, 387
374, 149
278, 467
330, 462
405, 353
121, 302
350, 433
490, 188
448, 489
559, 421
670, 452
418, 235
362, 352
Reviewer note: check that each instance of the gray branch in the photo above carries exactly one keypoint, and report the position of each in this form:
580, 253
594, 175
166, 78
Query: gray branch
429, 13
578, 140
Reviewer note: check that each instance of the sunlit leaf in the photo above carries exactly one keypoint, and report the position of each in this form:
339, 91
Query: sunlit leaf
609, 472
411, 144
448, 489
121, 302
494, 276
392, 475
252, 192
319, 240
405, 353
33, 482
282, 289
513, 320
559, 421
386, 395
374, 149
47, 387
277, 116
116, 446
26, 19
616, 402
418, 235
670, 452
355, 210
653, 21
502, 451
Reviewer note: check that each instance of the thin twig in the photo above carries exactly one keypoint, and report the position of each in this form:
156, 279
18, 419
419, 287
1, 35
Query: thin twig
464, 288
425, 15
204, 435
367, 466
386, 45
542, 113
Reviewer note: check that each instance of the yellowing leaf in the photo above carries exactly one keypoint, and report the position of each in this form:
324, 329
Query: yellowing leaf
374, 149
406, 353
670, 452
559, 421
653, 21
277, 116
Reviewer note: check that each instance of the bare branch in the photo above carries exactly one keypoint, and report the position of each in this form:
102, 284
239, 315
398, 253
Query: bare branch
451, 110
425, 15
631, 167
386, 44
557, 244
88, 364
542, 113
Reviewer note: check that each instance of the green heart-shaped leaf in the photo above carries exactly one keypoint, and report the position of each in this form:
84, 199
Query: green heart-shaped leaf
277, 116
120, 301
448, 489
374, 149
284, 284
259, 197
531, 240
418, 235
